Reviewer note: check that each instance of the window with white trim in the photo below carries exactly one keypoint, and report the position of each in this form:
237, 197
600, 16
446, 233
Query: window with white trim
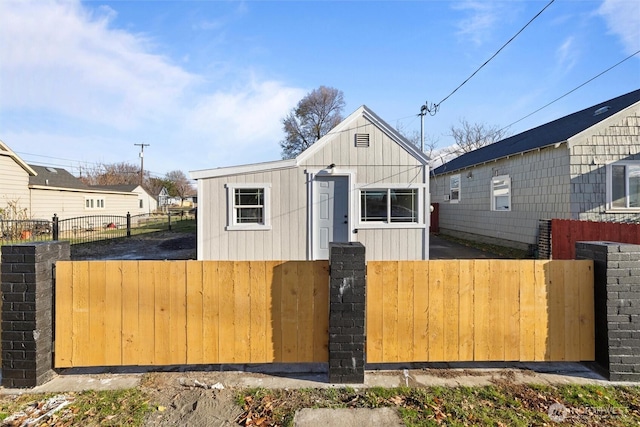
248, 206
454, 188
140, 203
93, 203
501, 193
623, 185
390, 206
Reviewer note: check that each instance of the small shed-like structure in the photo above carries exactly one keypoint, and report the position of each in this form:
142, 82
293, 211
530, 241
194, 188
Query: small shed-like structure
363, 182
584, 166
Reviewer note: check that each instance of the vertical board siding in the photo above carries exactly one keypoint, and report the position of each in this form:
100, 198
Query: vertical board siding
565, 233
480, 310
111, 313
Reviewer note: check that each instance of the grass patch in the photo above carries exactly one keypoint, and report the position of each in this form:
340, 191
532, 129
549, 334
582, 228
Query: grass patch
109, 408
502, 404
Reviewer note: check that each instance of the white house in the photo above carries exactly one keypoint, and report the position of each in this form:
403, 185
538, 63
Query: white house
147, 204
584, 166
362, 182
45, 191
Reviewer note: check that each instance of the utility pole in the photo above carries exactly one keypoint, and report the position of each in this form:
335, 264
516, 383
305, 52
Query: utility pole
142, 161
423, 111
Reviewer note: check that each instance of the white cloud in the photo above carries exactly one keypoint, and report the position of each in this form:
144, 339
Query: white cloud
481, 19
74, 82
63, 59
623, 20
566, 55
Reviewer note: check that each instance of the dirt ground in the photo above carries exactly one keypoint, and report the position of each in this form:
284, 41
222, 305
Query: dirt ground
161, 245
182, 399
190, 399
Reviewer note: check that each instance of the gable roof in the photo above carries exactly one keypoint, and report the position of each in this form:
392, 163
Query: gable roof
551, 133
55, 177
368, 114
363, 111
6, 151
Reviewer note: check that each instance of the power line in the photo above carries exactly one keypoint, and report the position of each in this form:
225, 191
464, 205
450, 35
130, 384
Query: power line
573, 90
437, 106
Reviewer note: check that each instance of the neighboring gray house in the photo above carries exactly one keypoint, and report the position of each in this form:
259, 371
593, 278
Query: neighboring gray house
583, 166
361, 182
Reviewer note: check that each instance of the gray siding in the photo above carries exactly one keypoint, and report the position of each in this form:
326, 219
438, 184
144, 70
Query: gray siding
539, 189
566, 182
612, 141
383, 162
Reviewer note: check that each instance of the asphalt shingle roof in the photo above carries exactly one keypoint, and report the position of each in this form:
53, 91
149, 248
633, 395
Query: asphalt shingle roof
55, 177
550, 133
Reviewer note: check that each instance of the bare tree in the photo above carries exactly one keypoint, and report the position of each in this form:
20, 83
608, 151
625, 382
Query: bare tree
181, 186
471, 136
314, 116
111, 174
430, 141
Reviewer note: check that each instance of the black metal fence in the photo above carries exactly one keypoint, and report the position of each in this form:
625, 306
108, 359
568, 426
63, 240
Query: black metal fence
86, 229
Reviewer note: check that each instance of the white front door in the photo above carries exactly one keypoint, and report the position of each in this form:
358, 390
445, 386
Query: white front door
330, 213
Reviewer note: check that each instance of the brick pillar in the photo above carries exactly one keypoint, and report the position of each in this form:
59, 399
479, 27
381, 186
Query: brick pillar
347, 313
27, 311
617, 306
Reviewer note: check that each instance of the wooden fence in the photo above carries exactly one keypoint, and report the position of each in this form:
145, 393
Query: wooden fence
565, 233
480, 310
111, 313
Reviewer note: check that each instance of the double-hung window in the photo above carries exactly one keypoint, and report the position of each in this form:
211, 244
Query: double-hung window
623, 185
248, 206
454, 188
393, 206
501, 193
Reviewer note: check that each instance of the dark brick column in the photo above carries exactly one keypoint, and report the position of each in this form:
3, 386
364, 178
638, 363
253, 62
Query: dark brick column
617, 306
27, 311
347, 313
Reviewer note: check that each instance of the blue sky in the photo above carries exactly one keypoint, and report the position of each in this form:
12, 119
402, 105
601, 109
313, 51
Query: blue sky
206, 83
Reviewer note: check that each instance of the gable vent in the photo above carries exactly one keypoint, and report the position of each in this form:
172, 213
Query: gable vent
362, 140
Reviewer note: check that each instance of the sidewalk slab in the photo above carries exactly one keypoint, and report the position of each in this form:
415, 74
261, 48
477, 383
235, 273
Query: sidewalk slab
348, 417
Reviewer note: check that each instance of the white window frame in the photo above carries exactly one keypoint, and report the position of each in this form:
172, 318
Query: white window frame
92, 204
494, 180
452, 188
232, 223
609, 170
386, 224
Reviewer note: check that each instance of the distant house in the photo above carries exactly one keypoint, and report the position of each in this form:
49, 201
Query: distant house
45, 191
147, 204
583, 166
163, 198
55, 190
362, 182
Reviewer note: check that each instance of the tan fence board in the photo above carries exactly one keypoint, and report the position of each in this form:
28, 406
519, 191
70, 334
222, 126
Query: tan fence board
113, 313
527, 310
436, 310
466, 309
479, 310
390, 311
420, 311
375, 303
320, 311
195, 312
64, 315
131, 332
